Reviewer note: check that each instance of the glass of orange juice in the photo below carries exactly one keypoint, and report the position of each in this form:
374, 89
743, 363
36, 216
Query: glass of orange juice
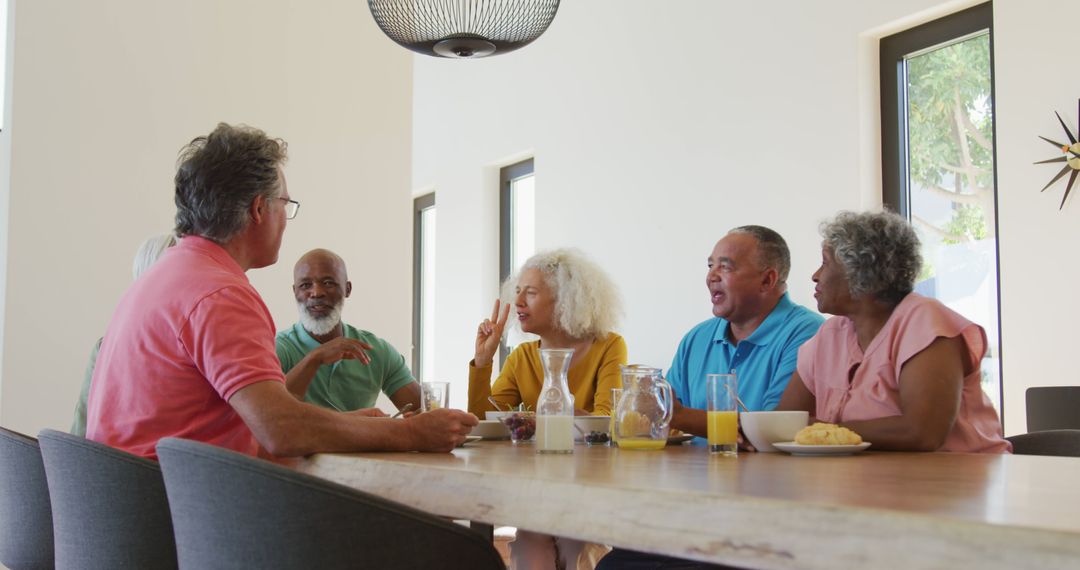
723, 415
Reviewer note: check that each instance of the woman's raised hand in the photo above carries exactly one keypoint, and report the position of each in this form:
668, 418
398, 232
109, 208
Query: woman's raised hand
489, 333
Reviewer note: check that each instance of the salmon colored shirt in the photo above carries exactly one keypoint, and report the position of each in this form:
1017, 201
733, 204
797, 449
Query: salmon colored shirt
827, 360
522, 376
186, 336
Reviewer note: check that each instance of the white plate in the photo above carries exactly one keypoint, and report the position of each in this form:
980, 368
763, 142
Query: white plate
799, 449
491, 429
469, 439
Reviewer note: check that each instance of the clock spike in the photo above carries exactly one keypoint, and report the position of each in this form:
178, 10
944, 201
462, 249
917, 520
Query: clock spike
1055, 143
1068, 188
1064, 170
1068, 133
1048, 161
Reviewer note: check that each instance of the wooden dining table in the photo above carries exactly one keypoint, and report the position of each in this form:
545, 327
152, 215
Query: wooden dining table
757, 510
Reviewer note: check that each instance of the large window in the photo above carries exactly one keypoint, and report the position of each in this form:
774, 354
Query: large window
937, 92
517, 231
423, 353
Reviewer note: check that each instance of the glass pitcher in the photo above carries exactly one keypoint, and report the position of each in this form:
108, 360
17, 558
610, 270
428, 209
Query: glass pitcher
643, 417
555, 406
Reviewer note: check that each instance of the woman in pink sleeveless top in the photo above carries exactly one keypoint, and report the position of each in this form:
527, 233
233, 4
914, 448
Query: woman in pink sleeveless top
900, 369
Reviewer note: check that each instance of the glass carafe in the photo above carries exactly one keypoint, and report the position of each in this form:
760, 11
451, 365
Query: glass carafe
643, 416
555, 406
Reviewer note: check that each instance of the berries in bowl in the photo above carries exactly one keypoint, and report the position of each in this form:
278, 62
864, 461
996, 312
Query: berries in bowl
522, 425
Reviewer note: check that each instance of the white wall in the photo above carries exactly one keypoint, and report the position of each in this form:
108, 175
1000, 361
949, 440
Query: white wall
1039, 266
106, 93
656, 130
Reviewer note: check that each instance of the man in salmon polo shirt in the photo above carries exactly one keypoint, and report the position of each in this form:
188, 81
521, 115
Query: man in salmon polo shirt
190, 349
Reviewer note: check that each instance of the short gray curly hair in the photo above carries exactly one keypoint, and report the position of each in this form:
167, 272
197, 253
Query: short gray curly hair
587, 302
879, 252
772, 249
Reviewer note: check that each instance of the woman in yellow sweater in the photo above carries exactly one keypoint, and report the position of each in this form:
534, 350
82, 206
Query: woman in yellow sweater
569, 302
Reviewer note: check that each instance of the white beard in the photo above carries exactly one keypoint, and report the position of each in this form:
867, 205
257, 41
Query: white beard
319, 326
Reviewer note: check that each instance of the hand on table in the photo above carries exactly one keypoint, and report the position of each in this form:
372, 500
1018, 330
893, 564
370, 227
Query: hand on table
744, 442
441, 430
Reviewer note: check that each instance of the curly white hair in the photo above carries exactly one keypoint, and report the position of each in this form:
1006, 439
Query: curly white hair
587, 302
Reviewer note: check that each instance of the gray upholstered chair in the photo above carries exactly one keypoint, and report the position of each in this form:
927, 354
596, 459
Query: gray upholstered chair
234, 511
108, 507
1062, 442
26, 532
1052, 407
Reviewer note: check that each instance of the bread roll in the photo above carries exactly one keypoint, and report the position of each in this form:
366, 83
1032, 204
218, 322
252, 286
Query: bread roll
827, 434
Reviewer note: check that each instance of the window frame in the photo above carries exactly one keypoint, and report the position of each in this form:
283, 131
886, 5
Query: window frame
893, 49
894, 144
420, 205
507, 175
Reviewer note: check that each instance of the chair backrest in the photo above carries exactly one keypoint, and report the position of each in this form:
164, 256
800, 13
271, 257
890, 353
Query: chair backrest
26, 532
1062, 442
1053, 407
109, 507
234, 511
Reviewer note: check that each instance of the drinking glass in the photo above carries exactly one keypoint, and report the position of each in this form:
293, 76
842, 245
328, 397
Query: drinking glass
434, 395
723, 414
616, 395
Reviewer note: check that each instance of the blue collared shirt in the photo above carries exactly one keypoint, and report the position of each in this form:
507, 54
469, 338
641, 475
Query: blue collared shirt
763, 362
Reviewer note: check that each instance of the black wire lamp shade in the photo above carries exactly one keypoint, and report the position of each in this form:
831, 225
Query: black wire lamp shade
463, 28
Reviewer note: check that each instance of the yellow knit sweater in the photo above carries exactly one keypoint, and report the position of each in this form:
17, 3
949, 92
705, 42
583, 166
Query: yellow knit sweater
521, 378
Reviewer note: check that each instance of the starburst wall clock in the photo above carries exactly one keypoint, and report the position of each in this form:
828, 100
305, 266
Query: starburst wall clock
1071, 157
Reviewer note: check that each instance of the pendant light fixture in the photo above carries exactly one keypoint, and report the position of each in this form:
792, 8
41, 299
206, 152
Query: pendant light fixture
463, 28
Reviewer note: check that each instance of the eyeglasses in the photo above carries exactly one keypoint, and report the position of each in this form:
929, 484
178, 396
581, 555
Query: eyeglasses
291, 208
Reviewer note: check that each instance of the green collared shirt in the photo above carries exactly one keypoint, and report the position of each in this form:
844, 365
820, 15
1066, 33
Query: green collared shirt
346, 384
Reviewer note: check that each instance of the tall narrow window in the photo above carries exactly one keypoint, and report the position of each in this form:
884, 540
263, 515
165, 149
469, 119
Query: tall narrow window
937, 89
423, 354
517, 231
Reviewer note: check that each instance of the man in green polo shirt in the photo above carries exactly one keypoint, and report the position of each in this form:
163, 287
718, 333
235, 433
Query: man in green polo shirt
329, 363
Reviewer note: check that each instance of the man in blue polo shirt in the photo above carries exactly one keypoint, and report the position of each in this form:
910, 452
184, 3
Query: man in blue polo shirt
328, 362
755, 332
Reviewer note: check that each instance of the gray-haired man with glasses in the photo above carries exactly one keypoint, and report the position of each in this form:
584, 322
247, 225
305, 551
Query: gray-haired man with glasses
190, 349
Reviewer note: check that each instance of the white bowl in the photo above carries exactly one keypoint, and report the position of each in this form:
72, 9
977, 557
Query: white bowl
496, 416
491, 429
763, 429
589, 424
